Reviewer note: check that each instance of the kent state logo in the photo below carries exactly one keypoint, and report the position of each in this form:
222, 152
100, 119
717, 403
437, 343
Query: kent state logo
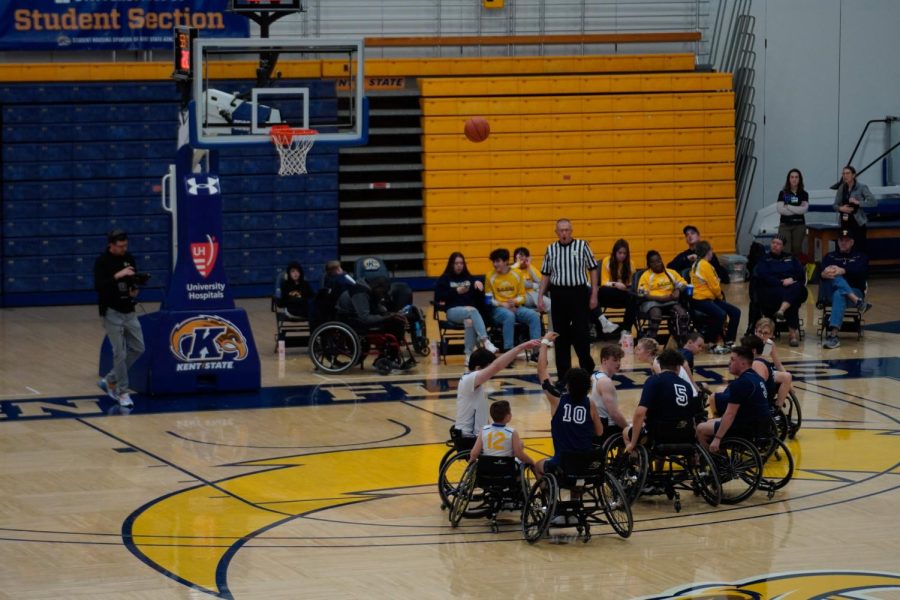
207, 342
204, 255
200, 185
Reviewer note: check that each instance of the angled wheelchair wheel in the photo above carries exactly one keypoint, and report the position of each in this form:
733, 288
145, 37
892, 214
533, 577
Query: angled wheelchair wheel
778, 463
528, 477
630, 469
334, 347
739, 468
705, 478
780, 424
449, 478
616, 505
463, 495
793, 413
540, 505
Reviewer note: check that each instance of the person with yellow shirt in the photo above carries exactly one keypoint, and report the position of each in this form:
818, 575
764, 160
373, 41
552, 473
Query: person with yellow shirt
660, 289
506, 291
709, 300
616, 272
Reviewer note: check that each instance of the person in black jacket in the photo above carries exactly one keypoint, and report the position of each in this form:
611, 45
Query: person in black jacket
781, 285
686, 259
295, 292
116, 280
460, 294
362, 306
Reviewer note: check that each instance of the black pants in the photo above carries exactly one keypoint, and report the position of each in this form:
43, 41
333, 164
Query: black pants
610, 297
571, 314
772, 297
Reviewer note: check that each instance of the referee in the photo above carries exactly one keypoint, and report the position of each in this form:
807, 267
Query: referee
567, 264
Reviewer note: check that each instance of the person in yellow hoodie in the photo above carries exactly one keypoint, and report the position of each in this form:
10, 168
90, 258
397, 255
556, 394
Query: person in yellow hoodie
660, 289
709, 300
507, 290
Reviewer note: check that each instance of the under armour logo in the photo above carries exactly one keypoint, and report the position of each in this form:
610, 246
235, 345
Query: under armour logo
209, 185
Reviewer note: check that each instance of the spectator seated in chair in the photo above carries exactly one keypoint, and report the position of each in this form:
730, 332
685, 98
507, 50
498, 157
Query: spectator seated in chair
508, 300
362, 307
844, 274
532, 279
781, 285
688, 258
460, 294
616, 271
659, 289
709, 299
296, 293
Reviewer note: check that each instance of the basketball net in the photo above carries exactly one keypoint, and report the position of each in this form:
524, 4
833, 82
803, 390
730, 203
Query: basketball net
292, 145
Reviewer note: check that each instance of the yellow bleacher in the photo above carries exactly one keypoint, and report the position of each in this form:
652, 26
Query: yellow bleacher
635, 155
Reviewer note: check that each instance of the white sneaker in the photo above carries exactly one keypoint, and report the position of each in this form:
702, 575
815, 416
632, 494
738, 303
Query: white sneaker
125, 400
607, 325
109, 388
489, 346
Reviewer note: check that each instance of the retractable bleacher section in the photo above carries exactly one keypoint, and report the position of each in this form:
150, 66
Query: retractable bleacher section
625, 148
80, 159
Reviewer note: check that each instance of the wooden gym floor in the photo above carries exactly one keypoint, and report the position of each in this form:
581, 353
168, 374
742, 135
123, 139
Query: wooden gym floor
323, 487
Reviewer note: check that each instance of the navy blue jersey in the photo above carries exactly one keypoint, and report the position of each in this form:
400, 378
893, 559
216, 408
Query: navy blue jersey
749, 392
668, 398
771, 386
688, 357
571, 427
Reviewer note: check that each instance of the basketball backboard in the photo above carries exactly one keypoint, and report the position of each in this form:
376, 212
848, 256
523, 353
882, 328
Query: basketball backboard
241, 87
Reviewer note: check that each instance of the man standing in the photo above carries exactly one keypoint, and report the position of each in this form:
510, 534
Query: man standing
844, 274
115, 281
570, 273
686, 259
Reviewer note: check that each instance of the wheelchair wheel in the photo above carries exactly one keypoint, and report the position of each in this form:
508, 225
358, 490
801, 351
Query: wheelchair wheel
421, 345
463, 495
334, 347
739, 468
616, 506
705, 479
780, 423
528, 478
793, 413
449, 478
629, 469
540, 505
778, 463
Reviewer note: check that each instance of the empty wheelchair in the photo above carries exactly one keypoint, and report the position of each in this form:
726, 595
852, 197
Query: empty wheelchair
495, 484
595, 497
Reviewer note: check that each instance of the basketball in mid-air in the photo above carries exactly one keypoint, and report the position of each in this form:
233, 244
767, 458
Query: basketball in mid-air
477, 129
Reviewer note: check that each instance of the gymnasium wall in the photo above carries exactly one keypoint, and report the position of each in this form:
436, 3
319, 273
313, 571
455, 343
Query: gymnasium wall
635, 155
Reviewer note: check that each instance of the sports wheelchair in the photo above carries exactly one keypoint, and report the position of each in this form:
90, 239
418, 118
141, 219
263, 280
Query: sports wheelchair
681, 463
452, 466
335, 345
592, 492
788, 418
495, 484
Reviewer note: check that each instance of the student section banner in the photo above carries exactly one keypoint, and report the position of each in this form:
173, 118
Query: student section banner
111, 24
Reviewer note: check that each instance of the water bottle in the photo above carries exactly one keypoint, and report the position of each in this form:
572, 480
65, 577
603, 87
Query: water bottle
626, 342
435, 357
689, 290
281, 347
489, 299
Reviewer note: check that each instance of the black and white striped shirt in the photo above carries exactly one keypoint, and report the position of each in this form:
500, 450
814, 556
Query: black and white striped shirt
568, 265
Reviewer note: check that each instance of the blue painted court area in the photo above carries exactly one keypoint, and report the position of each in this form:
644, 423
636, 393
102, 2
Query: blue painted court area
336, 393
886, 327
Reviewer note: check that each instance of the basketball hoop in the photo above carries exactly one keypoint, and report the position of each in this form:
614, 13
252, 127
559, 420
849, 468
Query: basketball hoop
292, 145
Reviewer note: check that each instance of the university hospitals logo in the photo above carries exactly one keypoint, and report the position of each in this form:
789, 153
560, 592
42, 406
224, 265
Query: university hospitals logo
207, 342
204, 255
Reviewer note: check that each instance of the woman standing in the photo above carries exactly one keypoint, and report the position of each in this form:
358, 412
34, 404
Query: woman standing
792, 204
849, 201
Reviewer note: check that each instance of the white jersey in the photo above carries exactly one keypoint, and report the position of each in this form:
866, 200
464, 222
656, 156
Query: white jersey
471, 405
682, 372
596, 398
496, 440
